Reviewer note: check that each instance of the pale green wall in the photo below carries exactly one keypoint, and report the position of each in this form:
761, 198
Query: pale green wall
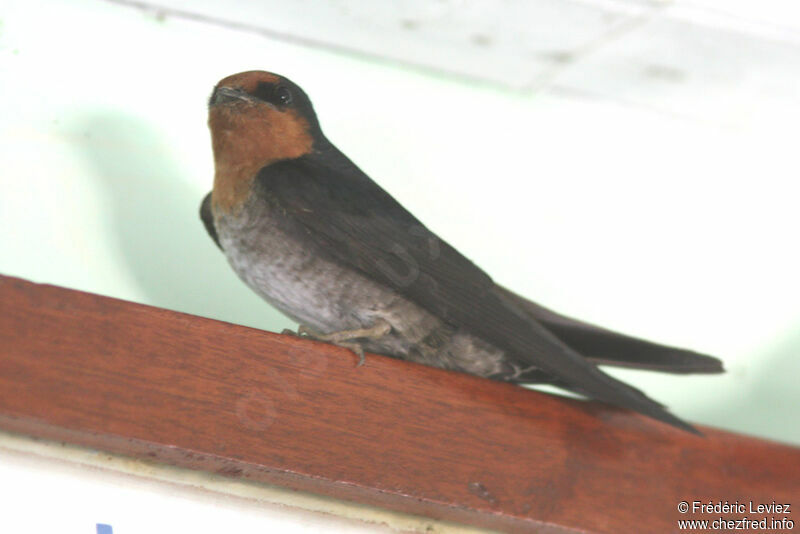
676, 230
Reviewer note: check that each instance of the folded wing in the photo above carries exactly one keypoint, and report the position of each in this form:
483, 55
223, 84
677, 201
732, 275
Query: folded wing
361, 226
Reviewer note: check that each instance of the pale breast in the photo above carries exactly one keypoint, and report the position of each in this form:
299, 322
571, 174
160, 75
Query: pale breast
270, 255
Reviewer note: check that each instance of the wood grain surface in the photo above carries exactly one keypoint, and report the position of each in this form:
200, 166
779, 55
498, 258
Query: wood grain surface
240, 402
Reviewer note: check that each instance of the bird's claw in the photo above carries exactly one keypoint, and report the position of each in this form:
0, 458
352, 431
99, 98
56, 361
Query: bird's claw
356, 349
346, 338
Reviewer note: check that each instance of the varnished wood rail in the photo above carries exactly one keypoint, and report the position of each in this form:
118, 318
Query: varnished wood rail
240, 402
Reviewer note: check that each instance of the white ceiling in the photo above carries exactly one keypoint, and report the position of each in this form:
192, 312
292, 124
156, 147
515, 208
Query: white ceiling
704, 59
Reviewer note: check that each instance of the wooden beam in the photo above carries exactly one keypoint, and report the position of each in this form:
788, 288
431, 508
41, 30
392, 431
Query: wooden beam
240, 402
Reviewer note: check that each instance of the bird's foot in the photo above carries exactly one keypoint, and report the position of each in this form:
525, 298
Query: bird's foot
347, 338
519, 371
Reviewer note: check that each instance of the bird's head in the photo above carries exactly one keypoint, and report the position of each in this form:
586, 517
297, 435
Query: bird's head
257, 118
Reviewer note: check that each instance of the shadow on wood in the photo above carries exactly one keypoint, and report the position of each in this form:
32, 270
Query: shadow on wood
209, 395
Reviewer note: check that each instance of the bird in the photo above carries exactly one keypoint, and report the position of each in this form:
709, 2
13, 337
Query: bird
311, 233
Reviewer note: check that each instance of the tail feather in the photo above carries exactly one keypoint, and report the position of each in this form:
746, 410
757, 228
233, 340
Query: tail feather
606, 347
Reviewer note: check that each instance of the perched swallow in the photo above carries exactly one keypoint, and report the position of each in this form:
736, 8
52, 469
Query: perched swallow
307, 230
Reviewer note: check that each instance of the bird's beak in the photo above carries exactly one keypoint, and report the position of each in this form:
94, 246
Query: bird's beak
224, 95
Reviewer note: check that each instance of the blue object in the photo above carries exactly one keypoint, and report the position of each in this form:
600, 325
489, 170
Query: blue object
102, 528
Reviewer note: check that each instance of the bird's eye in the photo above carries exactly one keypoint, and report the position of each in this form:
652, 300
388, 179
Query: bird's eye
283, 94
